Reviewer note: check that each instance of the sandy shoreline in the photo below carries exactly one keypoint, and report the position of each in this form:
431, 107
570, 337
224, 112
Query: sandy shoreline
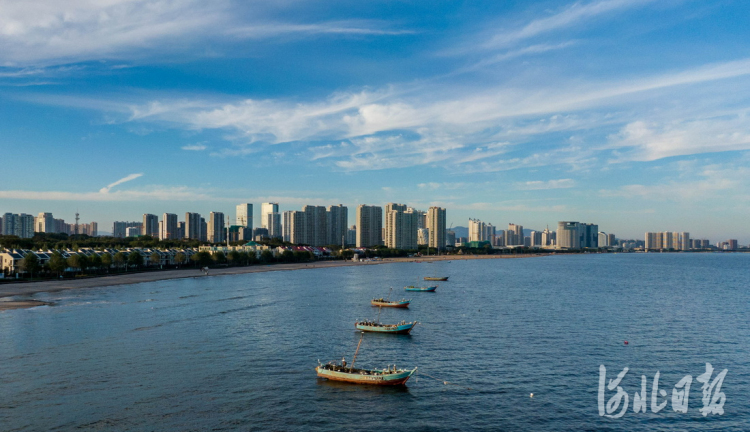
28, 289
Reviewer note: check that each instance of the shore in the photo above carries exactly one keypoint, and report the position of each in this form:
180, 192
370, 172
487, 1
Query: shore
28, 289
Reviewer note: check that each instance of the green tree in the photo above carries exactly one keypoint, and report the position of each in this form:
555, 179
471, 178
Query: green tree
347, 254
119, 259
30, 263
135, 259
203, 259
234, 257
180, 258
95, 261
219, 257
155, 258
74, 262
266, 257
107, 261
57, 263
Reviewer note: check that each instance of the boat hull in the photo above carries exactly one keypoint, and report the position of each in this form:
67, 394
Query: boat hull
432, 278
391, 329
423, 289
403, 304
380, 378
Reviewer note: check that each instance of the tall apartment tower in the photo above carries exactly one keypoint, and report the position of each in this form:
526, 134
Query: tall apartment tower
315, 229
245, 215
369, 226
287, 226
204, 230
589, 236
271, 219
168, 226
193, 226
150, 225
216, 227
337, 220
436, 225
401, 230
299, 224
514, 235
685, 241
568, 235
44, 223
9, 224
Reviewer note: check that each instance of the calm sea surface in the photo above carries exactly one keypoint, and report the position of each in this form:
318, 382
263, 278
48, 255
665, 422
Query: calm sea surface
238, 352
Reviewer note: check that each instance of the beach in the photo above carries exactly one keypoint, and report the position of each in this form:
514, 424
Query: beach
17, 295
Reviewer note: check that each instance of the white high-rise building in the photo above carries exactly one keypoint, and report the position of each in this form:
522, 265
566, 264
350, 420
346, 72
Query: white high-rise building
436, 225
337, 219
400, 226
568, 235
168, 226
244, 215
369, 226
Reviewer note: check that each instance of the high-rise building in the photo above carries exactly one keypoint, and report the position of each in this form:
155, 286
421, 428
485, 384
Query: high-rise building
436, 225
351, 236
9, 224
245, 215
481, 232
180, 230
216, 227
685, 243
44, 223
316, 222
603, 239
369, 225
548, 237
568, 235
423, 236
296, 226
132, 231
193, 226
514, 235
589, 235
450, 238
271, 219
118, 228
611, 240
265, 210
150, 225
168, 227
204, 230
400, 226
337, 220
535, 239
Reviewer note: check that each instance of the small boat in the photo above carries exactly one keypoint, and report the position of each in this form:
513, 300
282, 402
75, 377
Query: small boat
436, 278
381, 302
401, 328
416, 288
350, 374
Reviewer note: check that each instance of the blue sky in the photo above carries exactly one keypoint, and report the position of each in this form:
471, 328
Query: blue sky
632, 114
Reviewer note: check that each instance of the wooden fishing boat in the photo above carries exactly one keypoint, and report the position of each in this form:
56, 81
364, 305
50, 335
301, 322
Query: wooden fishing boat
436, 278
423, 289
342, 372
401, 328
381, 302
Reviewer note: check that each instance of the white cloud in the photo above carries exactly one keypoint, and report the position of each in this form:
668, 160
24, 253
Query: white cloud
571, 15
128, 178
194, 147
543, 185
42, 32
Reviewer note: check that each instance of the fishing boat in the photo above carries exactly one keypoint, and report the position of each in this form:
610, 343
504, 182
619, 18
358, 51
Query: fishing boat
371, 326
381, 302
341, 372
436, 278
423, 289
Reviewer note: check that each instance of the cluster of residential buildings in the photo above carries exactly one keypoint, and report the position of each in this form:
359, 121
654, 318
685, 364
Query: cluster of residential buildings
25, 225
682, 241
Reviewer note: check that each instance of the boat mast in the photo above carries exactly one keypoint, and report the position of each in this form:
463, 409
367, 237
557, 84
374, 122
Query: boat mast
380, 309
351, 368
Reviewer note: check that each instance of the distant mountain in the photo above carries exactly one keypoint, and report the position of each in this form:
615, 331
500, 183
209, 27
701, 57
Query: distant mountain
461, 231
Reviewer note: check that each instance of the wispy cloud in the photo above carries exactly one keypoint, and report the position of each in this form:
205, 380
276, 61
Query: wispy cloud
543, 185
105, 190
354, 28
194, 147
569, 16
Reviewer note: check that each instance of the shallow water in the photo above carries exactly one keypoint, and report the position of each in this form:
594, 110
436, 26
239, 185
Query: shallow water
238, 352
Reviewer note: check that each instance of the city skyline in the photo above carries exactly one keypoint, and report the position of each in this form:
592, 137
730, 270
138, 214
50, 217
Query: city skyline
629, 114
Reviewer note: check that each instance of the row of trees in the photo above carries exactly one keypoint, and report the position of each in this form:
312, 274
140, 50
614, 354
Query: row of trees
96, 264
